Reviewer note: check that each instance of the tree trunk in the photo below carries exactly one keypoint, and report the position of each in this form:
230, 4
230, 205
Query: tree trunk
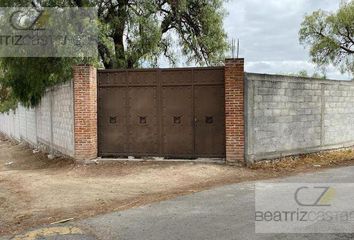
118, 35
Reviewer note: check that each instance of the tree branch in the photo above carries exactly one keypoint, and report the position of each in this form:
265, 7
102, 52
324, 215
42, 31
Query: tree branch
346, 49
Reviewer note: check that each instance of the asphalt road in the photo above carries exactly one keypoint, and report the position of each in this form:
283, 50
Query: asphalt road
221, 213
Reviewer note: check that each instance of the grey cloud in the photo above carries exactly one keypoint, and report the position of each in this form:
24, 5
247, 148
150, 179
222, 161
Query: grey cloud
268, 32
286, 67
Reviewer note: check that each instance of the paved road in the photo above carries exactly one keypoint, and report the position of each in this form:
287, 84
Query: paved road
221, 213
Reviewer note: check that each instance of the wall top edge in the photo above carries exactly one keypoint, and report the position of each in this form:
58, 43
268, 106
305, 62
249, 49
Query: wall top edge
285, 78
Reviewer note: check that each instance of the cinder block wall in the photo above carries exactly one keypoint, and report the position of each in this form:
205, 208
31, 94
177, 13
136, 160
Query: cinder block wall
65, 121
50, 124
290, 115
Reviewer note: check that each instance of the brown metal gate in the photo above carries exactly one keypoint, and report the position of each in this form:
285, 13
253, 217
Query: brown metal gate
161, 112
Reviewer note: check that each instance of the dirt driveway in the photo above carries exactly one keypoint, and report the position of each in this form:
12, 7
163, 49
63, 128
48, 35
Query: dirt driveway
35, 190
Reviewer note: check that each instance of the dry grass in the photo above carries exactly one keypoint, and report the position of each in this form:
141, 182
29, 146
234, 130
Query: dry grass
308, 161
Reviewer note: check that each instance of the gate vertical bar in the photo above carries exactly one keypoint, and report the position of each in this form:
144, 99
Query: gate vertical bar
194, 116
99, 130
126, 92
159, 110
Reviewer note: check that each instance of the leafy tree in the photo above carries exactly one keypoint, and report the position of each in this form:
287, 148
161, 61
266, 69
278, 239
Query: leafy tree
331, 37
319, 76
7, 98
305, 74
131, 33
302, 73
136, 31
27, 78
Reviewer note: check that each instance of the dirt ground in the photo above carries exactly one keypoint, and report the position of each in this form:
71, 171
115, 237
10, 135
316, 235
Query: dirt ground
35, 190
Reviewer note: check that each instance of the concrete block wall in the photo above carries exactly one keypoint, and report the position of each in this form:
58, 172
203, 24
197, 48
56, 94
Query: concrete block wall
44, 119
30, 125
63, 119
338, 113
48, 125
289, 115
7, 125
20, 124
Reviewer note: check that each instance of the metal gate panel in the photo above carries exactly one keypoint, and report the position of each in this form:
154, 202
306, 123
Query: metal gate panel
176, 77
142, 78
142, 121
177, 115
112, 121
214, 76
112, 79
162, 112
209, 121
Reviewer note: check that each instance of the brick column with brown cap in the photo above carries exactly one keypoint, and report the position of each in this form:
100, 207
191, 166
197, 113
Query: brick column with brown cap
234, 110
85, 112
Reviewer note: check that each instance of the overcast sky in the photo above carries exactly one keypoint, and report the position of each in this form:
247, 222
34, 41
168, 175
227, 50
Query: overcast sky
268, 33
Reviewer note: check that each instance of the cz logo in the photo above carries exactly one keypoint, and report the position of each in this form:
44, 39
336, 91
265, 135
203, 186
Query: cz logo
29, 20
325, 196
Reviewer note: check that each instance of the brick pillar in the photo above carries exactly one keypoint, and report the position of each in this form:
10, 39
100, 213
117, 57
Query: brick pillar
234, 110
85, 112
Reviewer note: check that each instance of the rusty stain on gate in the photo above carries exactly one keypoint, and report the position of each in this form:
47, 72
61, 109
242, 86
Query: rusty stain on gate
173, 113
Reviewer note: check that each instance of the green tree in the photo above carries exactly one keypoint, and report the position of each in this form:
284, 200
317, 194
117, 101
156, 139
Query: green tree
140, 31
319, 75
7, 99
331, 37
303, 73
27, 78
131, 33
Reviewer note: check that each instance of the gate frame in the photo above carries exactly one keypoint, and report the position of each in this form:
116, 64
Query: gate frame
85, 111
160, 85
